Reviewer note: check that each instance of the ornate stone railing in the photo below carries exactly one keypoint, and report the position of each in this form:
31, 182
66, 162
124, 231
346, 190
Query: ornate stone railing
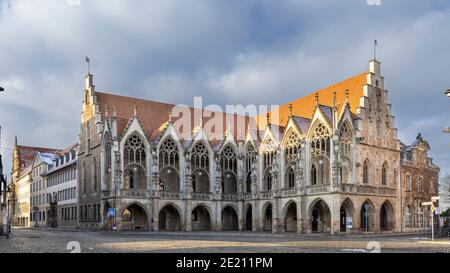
202, 196
350, 188
134, 193
247, 196
314, 189
230, 196
170, 195
266, 194
367, 189
288, 192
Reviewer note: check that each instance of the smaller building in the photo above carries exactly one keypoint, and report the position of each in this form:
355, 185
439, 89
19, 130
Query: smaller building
38, 189
420, 178
23, 198
61, 179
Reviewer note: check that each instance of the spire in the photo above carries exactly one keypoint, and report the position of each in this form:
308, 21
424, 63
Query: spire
170, 116
346, 102
317, 99
290, 110
201, 121
15, 140
334, 101
229, 125
135, 110
268, 118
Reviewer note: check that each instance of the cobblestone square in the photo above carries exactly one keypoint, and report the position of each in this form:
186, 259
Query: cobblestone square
65, 241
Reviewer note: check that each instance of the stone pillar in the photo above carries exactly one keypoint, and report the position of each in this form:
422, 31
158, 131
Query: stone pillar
241, 216
335, 215
188, 212
299, 216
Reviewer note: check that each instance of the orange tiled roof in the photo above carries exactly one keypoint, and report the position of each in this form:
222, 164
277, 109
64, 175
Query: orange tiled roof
153, 115
305, 106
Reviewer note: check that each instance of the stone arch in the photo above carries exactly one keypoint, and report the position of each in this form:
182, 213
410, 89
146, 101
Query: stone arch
228, 165
169, 218
384, 174
134, 216
366, 171
268, 179
367, 216
289, 180
320, 216
201, 218
169, 179
387, 215
321, 166
169, 160
347, 211
248, 217
290, 216
229, 218
267, 217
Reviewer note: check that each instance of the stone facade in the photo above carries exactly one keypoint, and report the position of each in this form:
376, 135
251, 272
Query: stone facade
328, 162
420, 179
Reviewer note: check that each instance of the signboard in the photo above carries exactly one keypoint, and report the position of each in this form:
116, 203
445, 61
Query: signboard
349, 222
111, 212
438, 210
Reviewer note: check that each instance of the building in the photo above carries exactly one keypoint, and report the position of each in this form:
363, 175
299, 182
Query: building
38, 189
61, 180
327, 162
420, 179
23, 157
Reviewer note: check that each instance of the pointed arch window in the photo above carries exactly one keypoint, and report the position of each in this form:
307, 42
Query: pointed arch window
228, 159
134, 150
320, 142
292, 146
84, 178
200, 157
94, 163
290, 177
250, 159
366, 172
313, 175
168, 154
345, 137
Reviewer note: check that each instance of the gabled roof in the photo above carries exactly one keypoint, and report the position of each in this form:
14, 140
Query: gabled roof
153, 115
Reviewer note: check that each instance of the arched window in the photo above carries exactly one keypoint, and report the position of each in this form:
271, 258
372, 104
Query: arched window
268, 181
94, 163
345, 140
290, 178
84, 178
168, 154
320, 142
134, 156
169, 166
408, 182
134, 151
107, 153
292, 146
384, 174
313, 175
88, 135
200, 157
228, 163
250, 159
366, 172
408, 219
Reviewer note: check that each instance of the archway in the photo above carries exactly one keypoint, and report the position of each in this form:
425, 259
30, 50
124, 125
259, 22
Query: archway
229, 182
267, 221
320, 216
169, 219
367, 216
248, 218
386, 217
291, 217
200, 219
346, 215
134, 217
229, 219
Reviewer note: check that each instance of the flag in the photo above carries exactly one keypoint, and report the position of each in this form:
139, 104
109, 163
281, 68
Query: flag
87, 59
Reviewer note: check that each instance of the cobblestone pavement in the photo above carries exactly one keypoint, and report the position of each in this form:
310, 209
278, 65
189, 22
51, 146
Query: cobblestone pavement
57, 240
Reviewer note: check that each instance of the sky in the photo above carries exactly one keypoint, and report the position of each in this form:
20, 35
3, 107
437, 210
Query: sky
228, 52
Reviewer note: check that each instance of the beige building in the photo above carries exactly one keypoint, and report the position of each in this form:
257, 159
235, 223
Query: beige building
23, 157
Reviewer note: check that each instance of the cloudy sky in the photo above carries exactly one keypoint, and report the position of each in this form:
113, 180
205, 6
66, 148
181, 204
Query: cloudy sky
233, 51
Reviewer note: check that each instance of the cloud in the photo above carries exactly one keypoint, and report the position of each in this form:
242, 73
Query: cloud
247, 52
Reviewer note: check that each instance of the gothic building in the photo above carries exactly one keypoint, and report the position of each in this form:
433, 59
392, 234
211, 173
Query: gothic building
327, 162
